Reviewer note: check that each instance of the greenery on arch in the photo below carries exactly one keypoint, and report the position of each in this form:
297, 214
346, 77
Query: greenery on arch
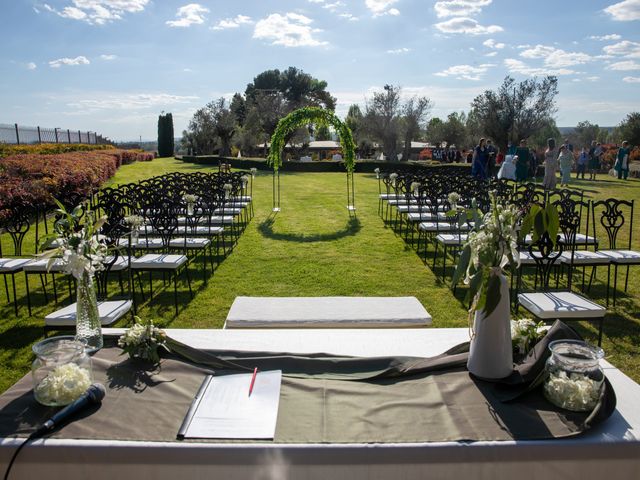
304, 116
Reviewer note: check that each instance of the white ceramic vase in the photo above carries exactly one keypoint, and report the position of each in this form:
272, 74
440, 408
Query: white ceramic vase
490, 353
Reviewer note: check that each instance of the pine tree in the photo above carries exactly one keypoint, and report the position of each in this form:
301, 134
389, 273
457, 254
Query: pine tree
165, 135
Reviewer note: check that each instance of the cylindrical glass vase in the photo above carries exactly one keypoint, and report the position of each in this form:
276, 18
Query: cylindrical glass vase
61, 371
574, 376
88, 326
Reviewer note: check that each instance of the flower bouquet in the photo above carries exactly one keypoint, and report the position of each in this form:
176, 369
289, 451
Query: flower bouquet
143, 340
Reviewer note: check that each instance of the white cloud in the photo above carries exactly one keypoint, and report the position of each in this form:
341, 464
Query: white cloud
624, 11
98, 12
460, 8
232, 22
349, 16
187, 15
631, 79
130, 101
491, 54
466, 25
625, 66
332, 7
593, 78
398, 51
605, 38
289, 30
518, 66
382, 7
31, 66
491, 43
466, 72
625, 49
80, 60
108, 57
556, 57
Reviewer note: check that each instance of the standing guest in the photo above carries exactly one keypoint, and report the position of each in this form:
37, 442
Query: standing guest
499, 157
583, 158
522, 165
511, 148
491, 159
458, 158
479, 163
622, 160
550, 164
594, 161
565, 159
567, 145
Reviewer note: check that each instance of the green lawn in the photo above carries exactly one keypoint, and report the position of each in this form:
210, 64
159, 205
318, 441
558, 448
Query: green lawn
312, 248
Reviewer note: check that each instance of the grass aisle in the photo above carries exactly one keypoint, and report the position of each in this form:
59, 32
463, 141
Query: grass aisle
312, 248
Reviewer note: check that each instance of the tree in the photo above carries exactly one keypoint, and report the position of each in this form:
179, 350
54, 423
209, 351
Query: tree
414, 113
454, 130
435, 130
382, 119
629, 129
547, 131
239, 108
165, 135
584, 133
516, 110
322, 133
210, 127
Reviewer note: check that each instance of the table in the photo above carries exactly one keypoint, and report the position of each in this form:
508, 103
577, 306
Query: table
611, 451
327, 312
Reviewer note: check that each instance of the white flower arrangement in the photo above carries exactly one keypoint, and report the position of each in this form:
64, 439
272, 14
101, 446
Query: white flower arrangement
525, 334
134, 221
253, 171
377, 172
64, 384
453, 198
490, 248
81, 249
415, 186
143, 340
189, 198
245, 180
573, 391
227, 187
394, 178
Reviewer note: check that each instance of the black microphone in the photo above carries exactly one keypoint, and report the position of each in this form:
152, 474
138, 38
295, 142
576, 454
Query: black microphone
93, 395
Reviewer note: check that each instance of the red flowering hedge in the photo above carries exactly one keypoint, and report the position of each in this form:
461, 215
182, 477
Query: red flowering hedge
7, 150
36, 179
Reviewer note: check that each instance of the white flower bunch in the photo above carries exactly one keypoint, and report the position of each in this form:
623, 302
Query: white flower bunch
81, 248
253, 171
64, 384
394, 178
245, 180
227, 187
453, 198
573, 391
525, 334
376, 171
143, 340
189, 198
415, 187
134, 221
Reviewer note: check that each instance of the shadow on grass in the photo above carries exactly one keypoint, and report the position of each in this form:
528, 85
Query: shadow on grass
352, 227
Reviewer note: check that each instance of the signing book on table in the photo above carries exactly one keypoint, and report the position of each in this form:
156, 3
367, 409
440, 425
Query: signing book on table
242, 406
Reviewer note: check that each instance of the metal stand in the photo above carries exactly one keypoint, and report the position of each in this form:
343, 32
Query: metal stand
276, 191
351, 200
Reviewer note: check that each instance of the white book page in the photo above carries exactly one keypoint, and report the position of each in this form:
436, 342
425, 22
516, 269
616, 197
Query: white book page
226, 409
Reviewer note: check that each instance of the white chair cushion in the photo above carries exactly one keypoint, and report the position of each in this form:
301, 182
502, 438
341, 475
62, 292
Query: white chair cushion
12, 265
40, 266
327, 312
228, 211
109, 313
452, 238
197, 242
242, 198
554, 305
121, 263
526, 258
622, 256
143, 243
160, 261
585, 257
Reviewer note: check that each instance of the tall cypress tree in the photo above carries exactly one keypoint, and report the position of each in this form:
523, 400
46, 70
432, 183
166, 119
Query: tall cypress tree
165, 135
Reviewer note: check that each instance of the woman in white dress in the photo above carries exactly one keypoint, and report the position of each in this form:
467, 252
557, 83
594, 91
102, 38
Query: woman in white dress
550, 165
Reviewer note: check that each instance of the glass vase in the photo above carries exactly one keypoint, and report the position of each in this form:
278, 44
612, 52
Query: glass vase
190, 206
88, 326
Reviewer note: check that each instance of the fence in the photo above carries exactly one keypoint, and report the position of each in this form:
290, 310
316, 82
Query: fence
20, 135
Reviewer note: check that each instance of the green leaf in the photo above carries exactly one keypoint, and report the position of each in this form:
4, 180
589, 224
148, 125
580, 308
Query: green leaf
463, 264
492, 294
553, 222
474, 284
539, 225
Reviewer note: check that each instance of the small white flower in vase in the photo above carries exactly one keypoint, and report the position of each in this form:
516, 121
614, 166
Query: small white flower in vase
190, 200
135, 222
245, 181
227, 187
377, 172
393, 177
415, 188
253, 172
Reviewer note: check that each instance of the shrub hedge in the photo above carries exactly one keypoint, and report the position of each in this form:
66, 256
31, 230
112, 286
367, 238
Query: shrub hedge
7, 150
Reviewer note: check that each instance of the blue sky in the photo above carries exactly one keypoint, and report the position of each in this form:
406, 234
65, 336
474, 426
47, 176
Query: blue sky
113, 65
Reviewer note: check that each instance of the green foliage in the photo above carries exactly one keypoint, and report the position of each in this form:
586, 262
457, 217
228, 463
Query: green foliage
539, 220
629, 129
305, 116
165, 135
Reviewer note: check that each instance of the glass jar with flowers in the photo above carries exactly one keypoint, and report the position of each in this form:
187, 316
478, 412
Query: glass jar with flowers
190, 200
134, 222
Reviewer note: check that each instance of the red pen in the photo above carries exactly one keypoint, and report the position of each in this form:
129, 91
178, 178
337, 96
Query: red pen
253, 380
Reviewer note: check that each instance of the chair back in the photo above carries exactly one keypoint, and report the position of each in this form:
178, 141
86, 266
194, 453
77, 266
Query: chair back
545, 255
615, 217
